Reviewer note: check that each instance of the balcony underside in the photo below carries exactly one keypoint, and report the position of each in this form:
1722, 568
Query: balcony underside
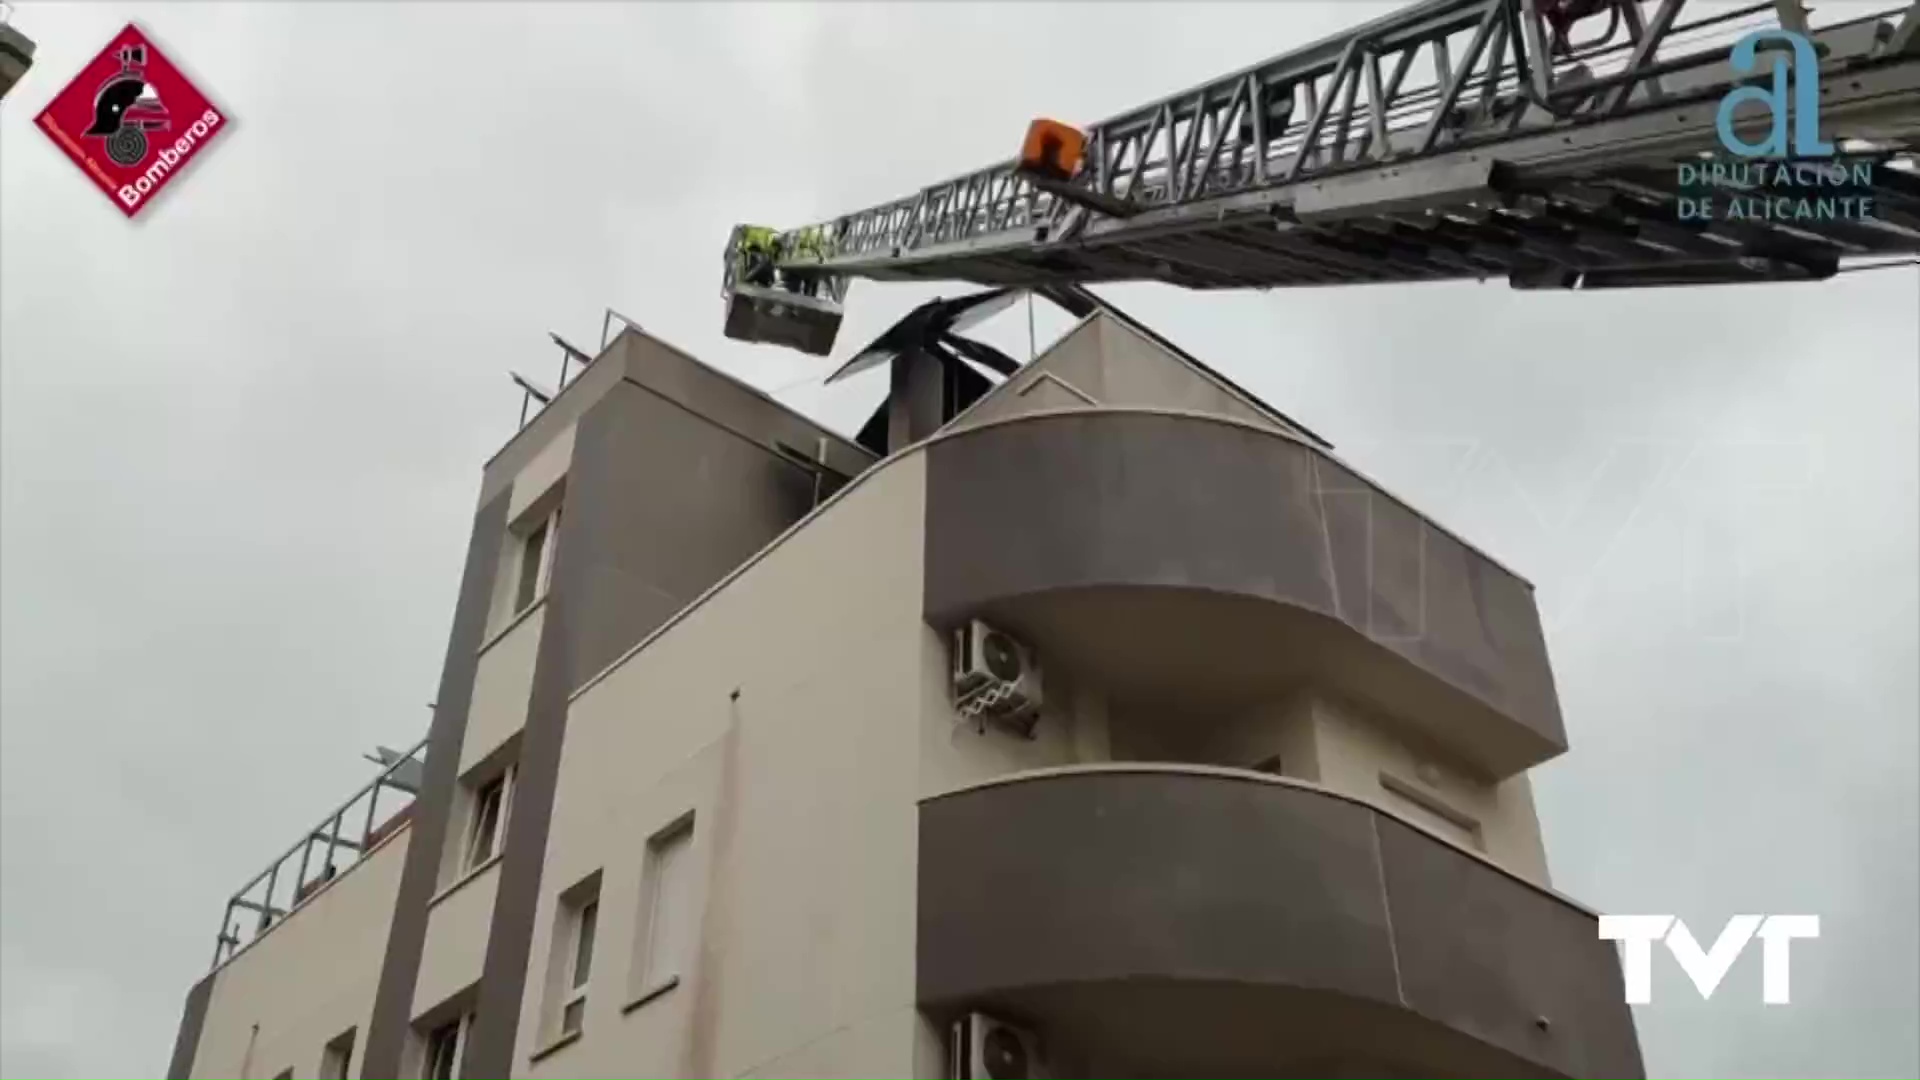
1203, 566
1163, 922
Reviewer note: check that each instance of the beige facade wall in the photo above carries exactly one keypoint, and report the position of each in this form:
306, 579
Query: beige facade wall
1282, 729
501, 683
955, 753
535, 494
1322, 740
534, 490
545, 470
1103, 361
306, 981
778, 713
456, 941
1140, 374
557, 419
1364, 756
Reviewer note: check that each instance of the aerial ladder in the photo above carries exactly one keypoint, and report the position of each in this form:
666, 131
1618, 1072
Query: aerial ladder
1546, 142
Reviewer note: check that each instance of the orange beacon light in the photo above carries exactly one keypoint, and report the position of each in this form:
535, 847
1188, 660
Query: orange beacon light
1053, 150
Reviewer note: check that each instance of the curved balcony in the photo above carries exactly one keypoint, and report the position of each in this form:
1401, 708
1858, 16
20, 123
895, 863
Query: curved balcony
1163, 921
1207, 565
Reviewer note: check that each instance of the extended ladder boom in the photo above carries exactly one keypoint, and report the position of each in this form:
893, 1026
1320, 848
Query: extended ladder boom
1537, 140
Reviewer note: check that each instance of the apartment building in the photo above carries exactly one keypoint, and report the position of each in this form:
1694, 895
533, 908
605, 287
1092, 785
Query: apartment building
1099, 721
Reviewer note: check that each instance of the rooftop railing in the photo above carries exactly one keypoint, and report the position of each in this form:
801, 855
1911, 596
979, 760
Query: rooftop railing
340, 840
535, 397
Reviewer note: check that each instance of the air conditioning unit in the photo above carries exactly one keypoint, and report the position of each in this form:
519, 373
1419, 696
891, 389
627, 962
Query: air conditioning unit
995, 677
983, 1048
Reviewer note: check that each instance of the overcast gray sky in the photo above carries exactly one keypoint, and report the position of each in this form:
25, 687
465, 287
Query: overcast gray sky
240, 441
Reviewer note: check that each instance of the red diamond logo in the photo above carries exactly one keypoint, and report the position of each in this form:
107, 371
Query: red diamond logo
131, 121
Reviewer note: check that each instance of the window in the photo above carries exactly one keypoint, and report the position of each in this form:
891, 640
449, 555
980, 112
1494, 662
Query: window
583, 944
531, 553
570, 962
489, 817
337, 1058
666, 913
444, 1046
536, 561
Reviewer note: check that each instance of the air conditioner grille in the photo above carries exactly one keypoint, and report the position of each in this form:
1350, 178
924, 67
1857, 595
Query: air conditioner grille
1004, 1054
1002, 658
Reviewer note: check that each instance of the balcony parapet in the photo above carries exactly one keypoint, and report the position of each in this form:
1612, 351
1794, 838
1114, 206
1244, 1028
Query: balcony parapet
342, 839
1195, 558
1180, 921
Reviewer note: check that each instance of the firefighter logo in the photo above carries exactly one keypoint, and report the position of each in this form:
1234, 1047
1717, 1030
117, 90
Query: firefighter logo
126, 108
132, 121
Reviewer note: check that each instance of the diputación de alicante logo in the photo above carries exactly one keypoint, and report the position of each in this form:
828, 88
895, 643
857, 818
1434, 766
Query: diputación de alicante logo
131, 121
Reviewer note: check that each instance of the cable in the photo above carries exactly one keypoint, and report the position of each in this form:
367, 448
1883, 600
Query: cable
795, 385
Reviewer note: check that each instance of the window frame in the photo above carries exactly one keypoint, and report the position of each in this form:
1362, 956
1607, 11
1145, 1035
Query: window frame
530, 584
582, 937
669, 852
462, 1032
484, 845
336, 1058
